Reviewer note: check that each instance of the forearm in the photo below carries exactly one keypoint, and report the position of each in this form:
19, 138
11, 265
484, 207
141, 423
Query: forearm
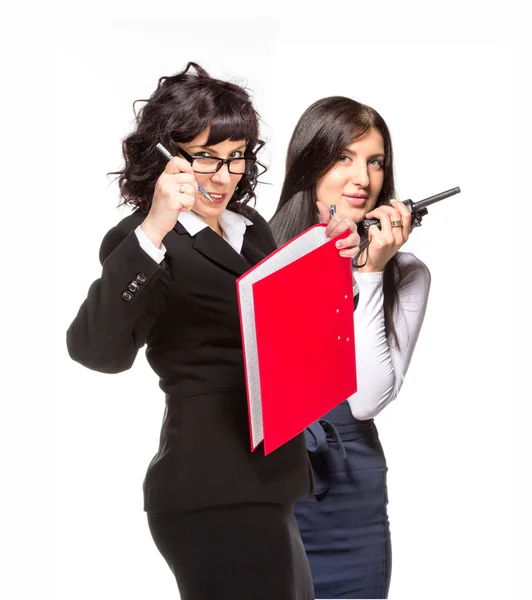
101, 336
382, 366
377, 381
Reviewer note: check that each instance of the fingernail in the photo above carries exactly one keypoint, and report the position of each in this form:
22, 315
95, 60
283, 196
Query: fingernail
339, 244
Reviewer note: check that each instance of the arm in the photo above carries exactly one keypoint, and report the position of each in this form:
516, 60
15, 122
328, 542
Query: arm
121, 306
381, 368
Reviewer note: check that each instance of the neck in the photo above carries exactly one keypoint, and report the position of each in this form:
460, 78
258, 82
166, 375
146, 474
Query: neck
213, 223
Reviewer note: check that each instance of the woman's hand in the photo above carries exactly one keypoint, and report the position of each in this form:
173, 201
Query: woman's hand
385, 242
175, 192
336, 226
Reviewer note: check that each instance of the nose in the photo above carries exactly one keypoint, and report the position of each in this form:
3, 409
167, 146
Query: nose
222, 176
360, 175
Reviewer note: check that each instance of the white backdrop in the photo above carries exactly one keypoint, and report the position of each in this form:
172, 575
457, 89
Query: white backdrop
446, 437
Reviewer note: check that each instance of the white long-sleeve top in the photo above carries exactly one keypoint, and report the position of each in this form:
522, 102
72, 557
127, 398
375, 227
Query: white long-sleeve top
381, 368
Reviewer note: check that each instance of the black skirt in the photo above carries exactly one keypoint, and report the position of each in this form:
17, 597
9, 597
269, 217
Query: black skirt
247, 551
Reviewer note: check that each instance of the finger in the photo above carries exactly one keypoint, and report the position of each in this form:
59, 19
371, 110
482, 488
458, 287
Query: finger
324, 211
393, 234
390, 235
383, 213
178, 178
378, 213
406, 217
337, 225
182, 202
171, 185
351, 241
178, 165
374, 233
396, 226
350, 252
185, 189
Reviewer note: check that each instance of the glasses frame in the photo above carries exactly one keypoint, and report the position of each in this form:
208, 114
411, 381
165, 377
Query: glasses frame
221, 162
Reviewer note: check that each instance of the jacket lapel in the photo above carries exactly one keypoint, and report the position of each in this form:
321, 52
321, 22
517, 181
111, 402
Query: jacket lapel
251, 252
218, 251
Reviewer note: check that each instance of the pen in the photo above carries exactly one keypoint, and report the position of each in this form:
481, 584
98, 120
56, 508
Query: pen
333, 210
167, 155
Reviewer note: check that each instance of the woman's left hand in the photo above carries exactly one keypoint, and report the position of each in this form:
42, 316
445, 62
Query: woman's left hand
336, 226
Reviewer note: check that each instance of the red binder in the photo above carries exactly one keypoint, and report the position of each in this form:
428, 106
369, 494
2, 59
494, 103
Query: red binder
296, 315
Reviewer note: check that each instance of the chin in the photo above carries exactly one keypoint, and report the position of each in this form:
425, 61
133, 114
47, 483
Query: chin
357, 213
210, 208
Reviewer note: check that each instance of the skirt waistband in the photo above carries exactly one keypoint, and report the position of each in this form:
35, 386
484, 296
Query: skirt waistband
318, 434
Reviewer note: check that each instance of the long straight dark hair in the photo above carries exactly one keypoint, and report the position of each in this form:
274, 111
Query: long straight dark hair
321, 136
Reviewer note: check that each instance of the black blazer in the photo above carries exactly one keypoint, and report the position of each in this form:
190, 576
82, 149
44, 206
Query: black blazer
185, 310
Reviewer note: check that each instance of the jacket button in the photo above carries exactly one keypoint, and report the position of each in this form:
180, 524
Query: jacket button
133, 286
141, 278
127, 296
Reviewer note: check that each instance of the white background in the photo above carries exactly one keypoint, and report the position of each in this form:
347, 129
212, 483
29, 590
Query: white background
448, 437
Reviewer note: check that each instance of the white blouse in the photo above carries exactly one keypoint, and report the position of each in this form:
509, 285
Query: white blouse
381, 368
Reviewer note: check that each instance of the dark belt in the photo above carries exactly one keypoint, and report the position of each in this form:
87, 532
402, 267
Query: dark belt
317, 437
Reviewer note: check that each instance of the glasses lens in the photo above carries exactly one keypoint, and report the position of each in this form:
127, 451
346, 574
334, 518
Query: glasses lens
239, 166
205, 165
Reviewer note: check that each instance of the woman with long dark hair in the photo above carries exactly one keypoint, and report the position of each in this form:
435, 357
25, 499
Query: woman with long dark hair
341, 153
221, 515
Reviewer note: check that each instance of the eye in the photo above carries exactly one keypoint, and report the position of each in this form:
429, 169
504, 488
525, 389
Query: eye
344, 159
236, 154
377, 162
204, 154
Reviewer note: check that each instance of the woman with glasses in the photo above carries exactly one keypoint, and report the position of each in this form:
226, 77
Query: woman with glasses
341, 153
221, 515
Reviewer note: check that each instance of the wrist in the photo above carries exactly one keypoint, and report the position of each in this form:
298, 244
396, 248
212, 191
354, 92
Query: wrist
154, 234
370, 269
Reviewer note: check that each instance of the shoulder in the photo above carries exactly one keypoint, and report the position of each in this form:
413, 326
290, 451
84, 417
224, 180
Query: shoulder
413, 272
254, 216
410, 263
117, 234
259, 228
262, 228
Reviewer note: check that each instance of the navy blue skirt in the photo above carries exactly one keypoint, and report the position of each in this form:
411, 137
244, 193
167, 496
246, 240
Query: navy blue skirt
344, 525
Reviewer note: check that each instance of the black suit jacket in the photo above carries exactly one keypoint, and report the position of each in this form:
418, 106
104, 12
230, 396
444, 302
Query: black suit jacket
185, 310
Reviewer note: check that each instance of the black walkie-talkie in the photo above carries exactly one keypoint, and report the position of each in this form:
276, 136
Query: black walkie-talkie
418, 210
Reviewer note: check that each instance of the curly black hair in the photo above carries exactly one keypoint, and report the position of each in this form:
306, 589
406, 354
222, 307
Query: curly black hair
181, 107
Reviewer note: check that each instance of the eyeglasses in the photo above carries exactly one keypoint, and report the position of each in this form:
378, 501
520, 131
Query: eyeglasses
212, 164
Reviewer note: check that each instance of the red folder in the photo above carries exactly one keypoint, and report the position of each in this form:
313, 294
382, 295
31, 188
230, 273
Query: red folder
296, 314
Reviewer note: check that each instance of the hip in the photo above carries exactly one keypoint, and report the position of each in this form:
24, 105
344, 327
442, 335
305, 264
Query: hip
205, 458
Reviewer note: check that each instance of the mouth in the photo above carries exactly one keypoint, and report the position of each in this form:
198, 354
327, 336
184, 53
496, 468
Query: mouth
357, 200
217, 198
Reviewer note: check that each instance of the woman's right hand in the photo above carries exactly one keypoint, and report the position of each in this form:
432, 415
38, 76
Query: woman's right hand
175, 192
385, 242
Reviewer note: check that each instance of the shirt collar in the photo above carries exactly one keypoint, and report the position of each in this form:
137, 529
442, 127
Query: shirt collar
229, 220
233, 225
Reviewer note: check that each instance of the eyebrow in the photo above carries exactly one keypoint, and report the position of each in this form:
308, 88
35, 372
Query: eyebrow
243, 147
377, 155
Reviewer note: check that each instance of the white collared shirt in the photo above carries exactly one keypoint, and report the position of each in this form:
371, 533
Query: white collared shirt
233, 226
